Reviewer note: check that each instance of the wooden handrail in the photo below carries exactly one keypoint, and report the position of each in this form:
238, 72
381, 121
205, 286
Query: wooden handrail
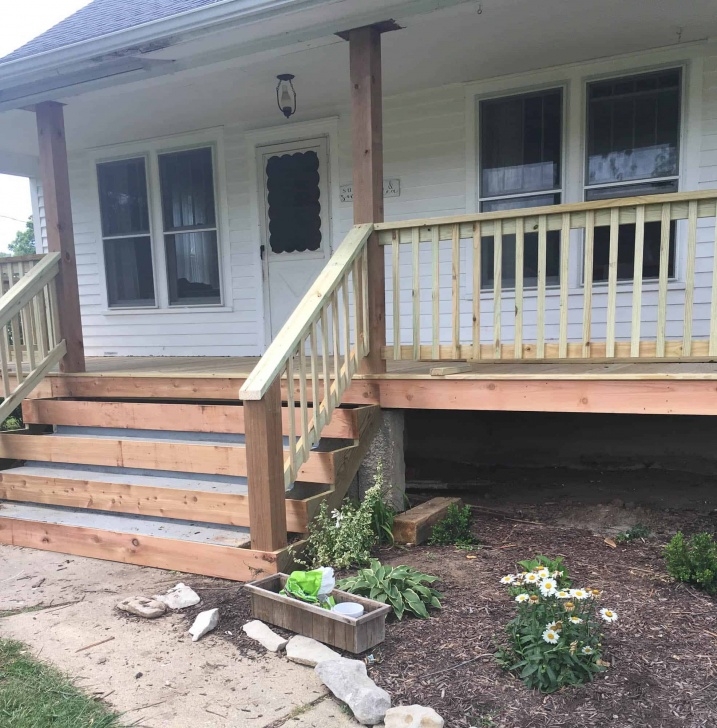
29, 332
586, 319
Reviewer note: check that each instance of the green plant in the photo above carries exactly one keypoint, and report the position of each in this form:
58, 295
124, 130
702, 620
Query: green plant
33, 695
454, 529
693, 561
383, 512
343, 537
404, 588
555, 638
556, 567
638, 531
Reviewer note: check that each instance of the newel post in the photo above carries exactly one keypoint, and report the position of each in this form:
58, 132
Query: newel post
60, 238
265, 470
367, 143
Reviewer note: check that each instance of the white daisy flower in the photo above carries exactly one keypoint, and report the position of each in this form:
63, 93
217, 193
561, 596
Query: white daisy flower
555, 626
542, 572
587, 650
608, 615
562, 594
522, 598
551, 636
508, 579
531, 578
579, 594
548, 587
575, 620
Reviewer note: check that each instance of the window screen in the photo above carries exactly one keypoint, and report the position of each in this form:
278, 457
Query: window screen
520, 166
190, 226
126, 240
633, 140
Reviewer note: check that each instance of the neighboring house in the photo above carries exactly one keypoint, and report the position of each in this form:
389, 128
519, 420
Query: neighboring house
207, 195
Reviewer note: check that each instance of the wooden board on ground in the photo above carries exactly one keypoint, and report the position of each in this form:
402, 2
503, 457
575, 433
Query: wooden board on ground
443, 371
415, 525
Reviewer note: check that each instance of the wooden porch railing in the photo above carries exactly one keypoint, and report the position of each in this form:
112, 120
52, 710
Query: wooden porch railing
317, 352
29, 340
13, 268
542, 319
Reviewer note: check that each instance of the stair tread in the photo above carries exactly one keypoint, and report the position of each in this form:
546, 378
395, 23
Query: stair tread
194, 531
219, 484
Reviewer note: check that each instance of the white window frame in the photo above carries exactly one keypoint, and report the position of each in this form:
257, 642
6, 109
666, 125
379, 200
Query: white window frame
574, 77
150, 150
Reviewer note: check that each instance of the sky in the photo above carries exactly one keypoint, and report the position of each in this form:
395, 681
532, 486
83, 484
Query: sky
27, 19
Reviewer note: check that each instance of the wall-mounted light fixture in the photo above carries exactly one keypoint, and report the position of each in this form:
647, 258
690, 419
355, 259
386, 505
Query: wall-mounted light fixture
286, 94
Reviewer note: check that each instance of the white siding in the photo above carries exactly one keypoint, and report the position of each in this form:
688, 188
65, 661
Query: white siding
425, 137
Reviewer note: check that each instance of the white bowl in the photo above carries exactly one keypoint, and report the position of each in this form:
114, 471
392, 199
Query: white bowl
348, 609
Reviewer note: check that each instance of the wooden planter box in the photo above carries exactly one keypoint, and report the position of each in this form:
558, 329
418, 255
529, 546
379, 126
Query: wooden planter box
352, 635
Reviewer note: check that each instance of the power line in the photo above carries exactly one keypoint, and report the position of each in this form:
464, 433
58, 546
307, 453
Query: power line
7, 217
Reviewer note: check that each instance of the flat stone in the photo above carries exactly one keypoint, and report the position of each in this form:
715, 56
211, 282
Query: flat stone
204, 622
179, 597
309, 652
269, 639
413, 716
143, 607
350, 683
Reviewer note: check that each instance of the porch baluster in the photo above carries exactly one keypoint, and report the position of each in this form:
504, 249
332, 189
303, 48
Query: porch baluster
690, 278
588, 282
476, 286
456, 290
542, 256
564, 283
416, 293
497, 285
663, 274
612, 283
635, 330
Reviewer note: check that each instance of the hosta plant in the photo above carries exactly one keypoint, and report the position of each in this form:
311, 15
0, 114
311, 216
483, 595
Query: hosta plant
555, 639
404, 588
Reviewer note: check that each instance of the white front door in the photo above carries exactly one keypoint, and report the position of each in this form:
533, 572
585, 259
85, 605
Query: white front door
295, 234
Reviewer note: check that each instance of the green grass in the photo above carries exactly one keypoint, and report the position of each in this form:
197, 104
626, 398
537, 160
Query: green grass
33, 695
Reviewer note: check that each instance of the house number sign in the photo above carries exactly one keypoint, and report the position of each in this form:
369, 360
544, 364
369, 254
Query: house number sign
391, 188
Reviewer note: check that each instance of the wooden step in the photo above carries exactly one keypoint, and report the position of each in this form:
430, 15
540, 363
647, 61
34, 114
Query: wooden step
190, 387
187, 546
185, 417
206, 500
185, 456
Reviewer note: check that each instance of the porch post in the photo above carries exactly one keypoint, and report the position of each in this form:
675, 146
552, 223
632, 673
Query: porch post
265, 470
367, 143
60, 238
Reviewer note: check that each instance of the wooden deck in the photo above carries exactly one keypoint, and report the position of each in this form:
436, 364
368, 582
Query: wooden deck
686, 387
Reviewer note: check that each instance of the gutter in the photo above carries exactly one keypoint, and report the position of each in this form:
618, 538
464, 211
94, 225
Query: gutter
225, 13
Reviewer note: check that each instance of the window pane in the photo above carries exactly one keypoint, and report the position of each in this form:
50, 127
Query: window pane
626, 236
520, 143
193, 268
634, 127
123, 197
128, 266
294, 202
187, 182
530, 247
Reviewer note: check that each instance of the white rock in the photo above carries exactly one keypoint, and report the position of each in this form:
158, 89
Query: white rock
143, 607
413, 716
309, 652
261, 633
204, 622
349, 682
179, 597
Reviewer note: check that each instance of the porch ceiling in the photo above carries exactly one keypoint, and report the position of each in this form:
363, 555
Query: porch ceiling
464, 42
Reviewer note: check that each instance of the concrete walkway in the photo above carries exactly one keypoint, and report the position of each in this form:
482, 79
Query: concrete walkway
149, 670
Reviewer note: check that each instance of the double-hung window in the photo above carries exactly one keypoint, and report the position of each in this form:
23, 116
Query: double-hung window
633, 135
521, 166
186, 215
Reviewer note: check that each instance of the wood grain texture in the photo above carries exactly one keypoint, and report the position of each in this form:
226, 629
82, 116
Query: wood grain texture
200, 417
223, 562
143, 500
415, 525
58, 219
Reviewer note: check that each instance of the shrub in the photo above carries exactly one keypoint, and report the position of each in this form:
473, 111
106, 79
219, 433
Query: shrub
638, 531
343, 537
694, 562
404, 588
454, 529
555, 639
383, 512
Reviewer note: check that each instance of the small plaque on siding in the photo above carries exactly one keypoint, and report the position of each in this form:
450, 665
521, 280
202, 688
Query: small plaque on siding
391, 188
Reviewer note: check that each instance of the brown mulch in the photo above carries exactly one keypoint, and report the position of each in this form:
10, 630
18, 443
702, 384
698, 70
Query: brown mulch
663, 649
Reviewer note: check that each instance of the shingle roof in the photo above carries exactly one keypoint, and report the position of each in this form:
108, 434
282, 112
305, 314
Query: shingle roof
102, 17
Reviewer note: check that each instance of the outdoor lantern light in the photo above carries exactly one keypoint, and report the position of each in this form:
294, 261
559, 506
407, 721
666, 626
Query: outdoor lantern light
286, 94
